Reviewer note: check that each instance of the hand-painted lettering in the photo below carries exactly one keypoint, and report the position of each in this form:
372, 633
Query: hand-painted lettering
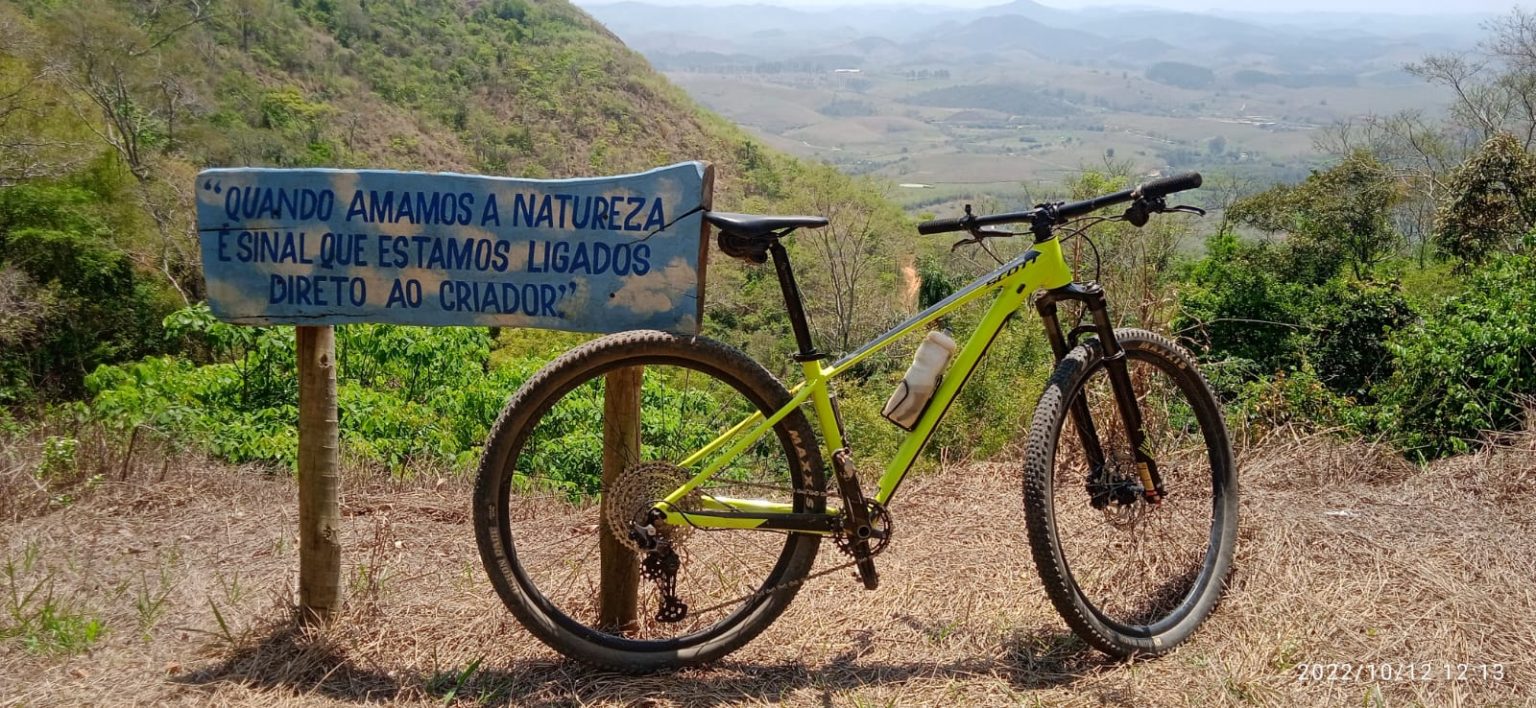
307, 246
317, 290
532, 299
406, 293
657, 219
489, 216
630, 224
588, 258
569, 212
247, 203
342, 250
406, 207
272, 247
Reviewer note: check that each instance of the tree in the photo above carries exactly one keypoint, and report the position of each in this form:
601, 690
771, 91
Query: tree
1346, 209
1181, 75
1496, 88
1490, 202
118, 64
36, 141
845, 296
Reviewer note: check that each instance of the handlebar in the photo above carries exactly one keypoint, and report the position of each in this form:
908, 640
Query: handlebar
1156, 189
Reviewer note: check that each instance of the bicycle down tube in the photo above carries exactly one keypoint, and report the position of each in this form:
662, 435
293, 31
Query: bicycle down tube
1040, 267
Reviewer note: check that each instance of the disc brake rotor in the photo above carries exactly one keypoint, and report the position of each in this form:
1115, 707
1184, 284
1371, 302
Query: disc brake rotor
1119, 470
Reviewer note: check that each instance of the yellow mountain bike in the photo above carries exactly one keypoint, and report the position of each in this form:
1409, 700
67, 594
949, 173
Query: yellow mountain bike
709, 522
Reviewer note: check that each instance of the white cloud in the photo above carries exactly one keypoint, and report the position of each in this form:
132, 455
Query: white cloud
658, 290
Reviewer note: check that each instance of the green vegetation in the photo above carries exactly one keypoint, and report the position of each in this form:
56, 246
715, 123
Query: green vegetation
1386, 294
1431, 372
1468, 367
41, 622
1020, 99
406, 394
107, 109
74, 296
1493, 202
1249, 78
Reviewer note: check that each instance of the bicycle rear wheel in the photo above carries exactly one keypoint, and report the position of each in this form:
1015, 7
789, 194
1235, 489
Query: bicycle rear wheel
542, 509
1131, 577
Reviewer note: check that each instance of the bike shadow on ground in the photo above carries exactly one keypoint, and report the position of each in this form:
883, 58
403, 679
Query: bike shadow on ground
290, 660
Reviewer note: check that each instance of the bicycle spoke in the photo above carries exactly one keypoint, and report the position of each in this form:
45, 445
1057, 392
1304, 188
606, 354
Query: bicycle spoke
558, 521
1133, 561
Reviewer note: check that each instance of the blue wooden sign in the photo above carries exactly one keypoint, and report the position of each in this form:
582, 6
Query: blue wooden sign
319, 246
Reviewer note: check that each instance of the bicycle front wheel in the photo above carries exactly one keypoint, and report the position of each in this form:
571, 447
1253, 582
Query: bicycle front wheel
1131, 577
554, 535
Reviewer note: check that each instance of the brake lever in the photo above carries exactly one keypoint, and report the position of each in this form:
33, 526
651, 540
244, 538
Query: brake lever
979, 234
1141, 210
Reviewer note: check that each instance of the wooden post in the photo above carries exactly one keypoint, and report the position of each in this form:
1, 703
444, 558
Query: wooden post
621, 448
319, 510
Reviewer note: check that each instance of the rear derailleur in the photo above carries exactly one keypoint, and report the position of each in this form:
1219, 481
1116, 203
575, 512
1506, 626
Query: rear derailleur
660, 566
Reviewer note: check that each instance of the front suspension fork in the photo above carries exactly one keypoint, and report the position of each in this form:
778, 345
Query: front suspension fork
1092, 296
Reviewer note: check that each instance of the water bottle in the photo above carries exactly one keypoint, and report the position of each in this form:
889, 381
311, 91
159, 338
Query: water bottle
922, 378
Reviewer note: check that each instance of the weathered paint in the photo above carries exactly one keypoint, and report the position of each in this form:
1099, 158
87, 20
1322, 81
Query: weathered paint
320, 246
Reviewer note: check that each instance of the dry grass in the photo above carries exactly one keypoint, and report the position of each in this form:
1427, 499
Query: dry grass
1346, 555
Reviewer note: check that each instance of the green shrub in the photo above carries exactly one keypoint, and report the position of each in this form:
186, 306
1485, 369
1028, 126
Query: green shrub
404, 394
58, 458
83, 302
1490, 202
406, 397
1298, 398
1469, 367
1348, 341
1255, 309
1238, 307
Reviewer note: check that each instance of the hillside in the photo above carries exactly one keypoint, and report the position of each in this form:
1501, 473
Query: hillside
108, 107
1365, 330
521, 87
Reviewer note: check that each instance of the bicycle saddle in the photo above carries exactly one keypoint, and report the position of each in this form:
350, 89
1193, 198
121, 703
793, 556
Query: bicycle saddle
746, 236
754, 225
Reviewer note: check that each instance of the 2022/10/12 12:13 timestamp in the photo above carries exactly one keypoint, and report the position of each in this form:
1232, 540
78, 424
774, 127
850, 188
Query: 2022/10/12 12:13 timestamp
1344, 671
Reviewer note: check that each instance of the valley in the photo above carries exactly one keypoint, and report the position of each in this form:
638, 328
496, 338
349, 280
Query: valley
968, 102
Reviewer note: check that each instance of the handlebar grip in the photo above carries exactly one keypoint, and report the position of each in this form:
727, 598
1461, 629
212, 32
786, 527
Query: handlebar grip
939, 226
1168, 185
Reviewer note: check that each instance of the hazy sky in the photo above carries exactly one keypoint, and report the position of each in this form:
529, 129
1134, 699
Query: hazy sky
1391, 6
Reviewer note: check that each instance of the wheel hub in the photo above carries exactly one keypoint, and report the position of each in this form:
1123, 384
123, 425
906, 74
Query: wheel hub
1119, 495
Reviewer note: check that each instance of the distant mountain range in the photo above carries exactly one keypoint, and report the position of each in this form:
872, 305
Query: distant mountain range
1121, 38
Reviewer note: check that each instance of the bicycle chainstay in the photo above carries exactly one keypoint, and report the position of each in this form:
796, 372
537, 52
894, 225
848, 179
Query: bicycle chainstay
876, 511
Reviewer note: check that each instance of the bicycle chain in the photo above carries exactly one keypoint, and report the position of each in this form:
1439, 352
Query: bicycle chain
875, 550
660, 566
775, 487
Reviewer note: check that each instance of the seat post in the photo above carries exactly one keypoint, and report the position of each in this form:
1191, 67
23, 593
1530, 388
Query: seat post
792, 303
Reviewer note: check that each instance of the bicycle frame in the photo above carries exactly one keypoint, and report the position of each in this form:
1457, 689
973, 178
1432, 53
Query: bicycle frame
1041, 267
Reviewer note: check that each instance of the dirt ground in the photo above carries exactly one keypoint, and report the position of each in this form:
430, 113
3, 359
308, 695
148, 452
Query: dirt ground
1346, 556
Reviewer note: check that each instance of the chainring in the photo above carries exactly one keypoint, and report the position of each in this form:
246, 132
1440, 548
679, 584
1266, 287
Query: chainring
879, 522
627, 504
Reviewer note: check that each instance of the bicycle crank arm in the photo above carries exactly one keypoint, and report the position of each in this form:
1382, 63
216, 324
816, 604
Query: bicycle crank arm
857, 524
